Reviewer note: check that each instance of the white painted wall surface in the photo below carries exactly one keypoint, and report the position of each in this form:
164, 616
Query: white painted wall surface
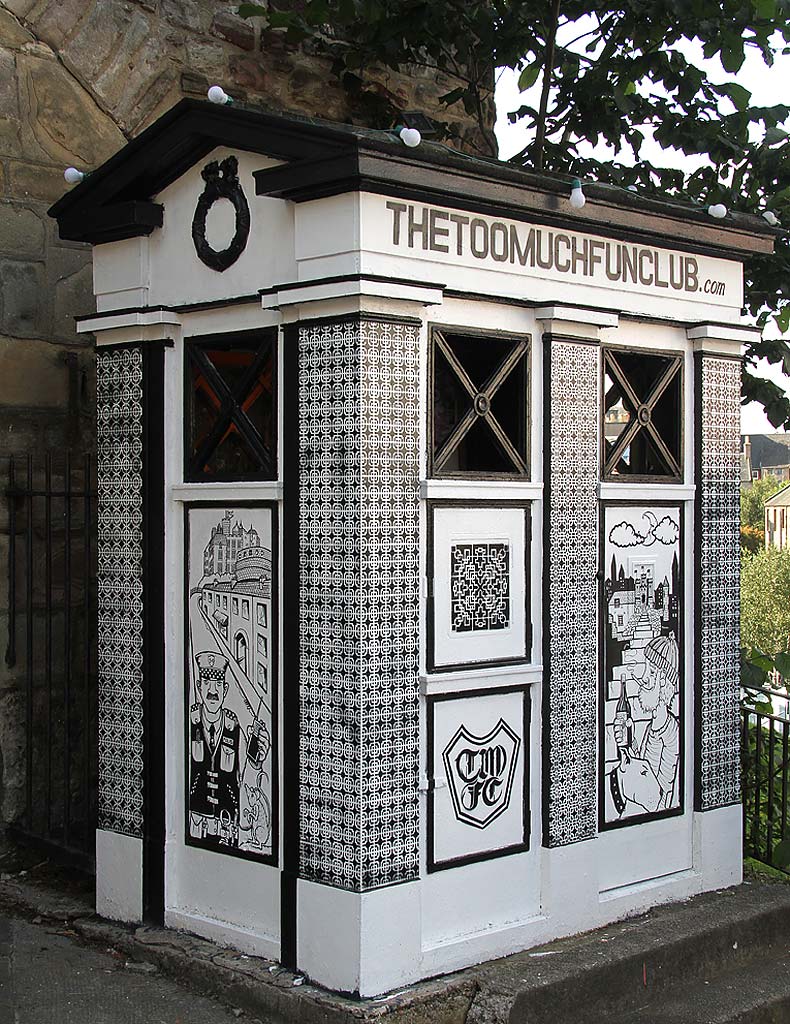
119, 876
163, 268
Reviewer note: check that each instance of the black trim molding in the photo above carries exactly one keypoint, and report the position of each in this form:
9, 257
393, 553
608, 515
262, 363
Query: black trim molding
153, 495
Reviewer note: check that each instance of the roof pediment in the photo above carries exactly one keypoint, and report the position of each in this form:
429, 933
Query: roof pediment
318, 159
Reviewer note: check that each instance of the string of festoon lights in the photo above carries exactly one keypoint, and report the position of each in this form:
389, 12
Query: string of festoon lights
718, 211
412, 138
409, 136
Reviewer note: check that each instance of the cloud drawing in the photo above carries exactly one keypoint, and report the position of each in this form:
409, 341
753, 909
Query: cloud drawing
667, 531
623, 535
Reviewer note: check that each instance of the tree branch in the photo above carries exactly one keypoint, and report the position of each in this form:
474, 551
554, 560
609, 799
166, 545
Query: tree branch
548, 68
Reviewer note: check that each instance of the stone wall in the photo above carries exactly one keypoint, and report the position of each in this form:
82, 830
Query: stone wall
78, 78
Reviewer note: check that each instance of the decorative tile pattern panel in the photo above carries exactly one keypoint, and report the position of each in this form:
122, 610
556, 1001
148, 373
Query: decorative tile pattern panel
480, 587
119, 375
719, 583
359, 603
572, 614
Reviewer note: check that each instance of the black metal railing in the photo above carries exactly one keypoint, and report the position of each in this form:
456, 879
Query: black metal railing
765, 737
50, 657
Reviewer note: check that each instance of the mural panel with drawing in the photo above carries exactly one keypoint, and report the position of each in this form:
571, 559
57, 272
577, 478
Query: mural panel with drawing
478, 775
231, 638
642, 699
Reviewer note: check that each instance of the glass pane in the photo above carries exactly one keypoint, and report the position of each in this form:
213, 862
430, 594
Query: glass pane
247, 437
509, 406
204, 409
642, 457
480, 357
667, 417
232, 458
617, 412
232, 363
451, 400
642, 371
478, 452
258, 406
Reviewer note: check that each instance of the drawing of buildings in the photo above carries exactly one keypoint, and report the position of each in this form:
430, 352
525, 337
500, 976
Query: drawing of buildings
236, 595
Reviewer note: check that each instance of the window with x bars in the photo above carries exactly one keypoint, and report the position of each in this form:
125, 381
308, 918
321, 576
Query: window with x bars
230, 407
643, 415
479, 405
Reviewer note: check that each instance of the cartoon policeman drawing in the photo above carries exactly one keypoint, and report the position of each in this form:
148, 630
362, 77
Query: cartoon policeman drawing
216, 747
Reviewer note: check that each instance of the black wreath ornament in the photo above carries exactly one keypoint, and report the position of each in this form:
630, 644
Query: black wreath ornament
222, 182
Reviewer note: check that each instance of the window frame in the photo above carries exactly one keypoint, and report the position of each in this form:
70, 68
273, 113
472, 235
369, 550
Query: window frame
252, 341
679, 358
472, 332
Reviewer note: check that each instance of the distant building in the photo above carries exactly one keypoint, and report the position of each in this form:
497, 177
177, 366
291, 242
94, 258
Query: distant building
765, 455
227, 540
777, 520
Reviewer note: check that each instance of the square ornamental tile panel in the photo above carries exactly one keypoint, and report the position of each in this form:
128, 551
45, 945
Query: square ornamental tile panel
478, 577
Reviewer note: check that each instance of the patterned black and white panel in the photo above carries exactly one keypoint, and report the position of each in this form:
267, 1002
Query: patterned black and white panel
572, 465
479, 587
359, 603
119, 376
719, 576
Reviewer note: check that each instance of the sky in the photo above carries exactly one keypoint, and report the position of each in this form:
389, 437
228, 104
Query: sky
767, 85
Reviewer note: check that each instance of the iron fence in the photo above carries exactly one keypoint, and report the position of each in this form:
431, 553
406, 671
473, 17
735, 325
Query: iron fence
50, 655
766, 788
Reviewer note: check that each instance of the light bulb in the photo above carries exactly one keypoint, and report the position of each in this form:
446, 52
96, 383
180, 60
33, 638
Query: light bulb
577, 197
410, 137
770, 216
718, 210
217, 94
73, 176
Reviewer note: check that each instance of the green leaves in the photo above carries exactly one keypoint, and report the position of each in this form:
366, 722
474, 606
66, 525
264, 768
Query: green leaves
529, 76
774, 136
764, 8
765, 604
620, 75
781, 854
782, 664
739, 95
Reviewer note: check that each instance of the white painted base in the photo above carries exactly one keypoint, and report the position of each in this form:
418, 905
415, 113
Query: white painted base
372, 944
718, 846
232, 901
390, 945
365, 943
328, 935
224, 934
119, 877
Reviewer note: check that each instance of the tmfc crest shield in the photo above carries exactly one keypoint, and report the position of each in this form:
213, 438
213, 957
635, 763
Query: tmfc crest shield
480, 772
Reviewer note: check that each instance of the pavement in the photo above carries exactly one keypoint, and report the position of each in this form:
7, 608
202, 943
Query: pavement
47, 975
717, 958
